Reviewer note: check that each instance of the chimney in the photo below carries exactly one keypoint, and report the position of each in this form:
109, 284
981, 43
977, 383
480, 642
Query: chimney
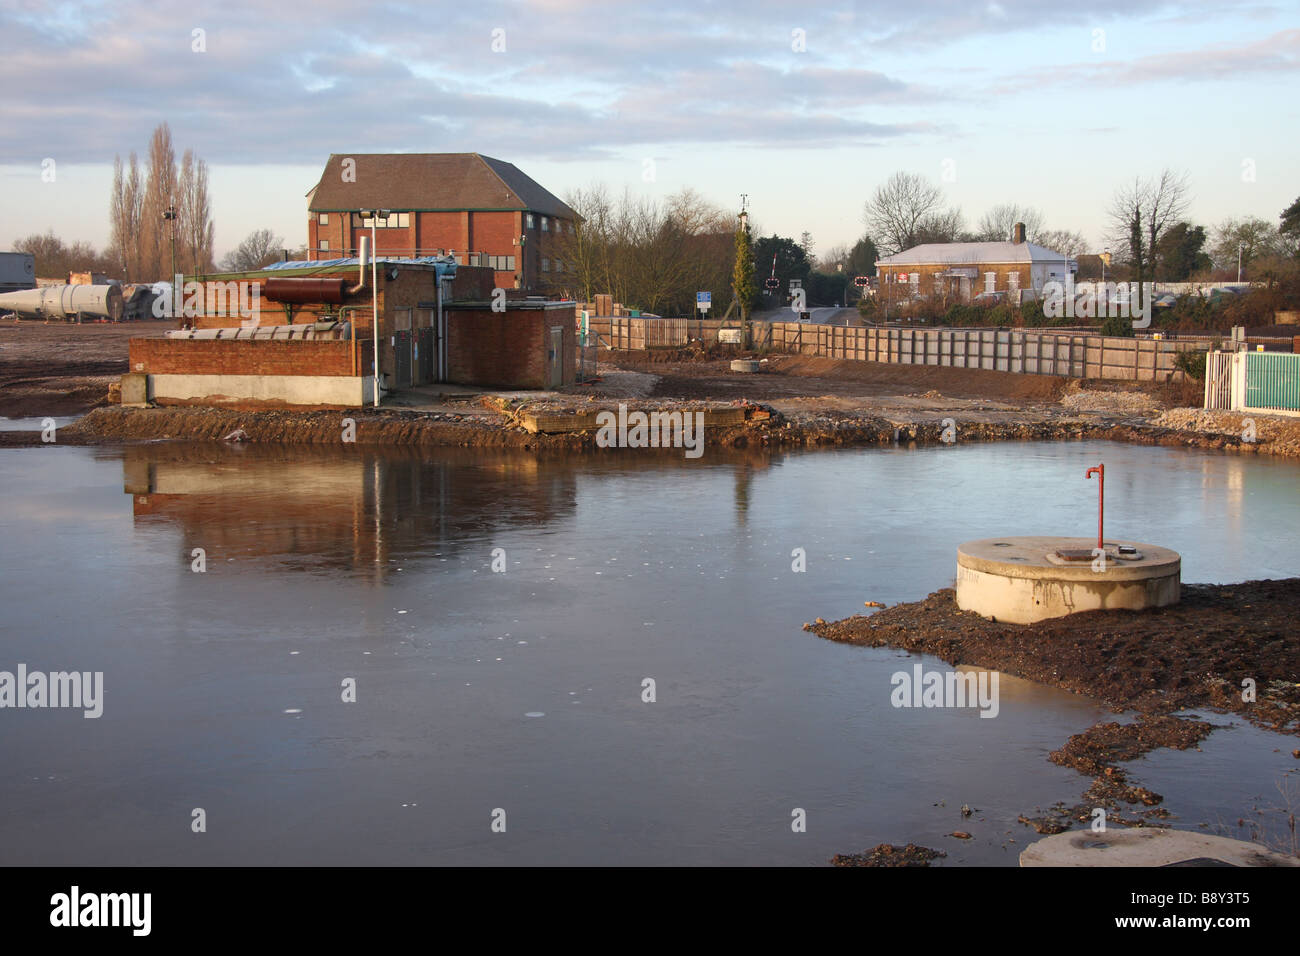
1018, 233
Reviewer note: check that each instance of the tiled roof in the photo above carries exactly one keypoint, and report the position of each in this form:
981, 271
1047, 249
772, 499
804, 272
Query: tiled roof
413, 181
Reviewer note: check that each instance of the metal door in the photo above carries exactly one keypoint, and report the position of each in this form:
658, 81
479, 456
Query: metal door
426, 355
555, 359
402, 348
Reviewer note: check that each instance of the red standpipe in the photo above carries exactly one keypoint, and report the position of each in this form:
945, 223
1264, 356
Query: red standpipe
1100, 472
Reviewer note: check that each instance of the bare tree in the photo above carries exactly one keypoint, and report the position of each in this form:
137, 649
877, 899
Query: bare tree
996, 224
833, 259
1064, 241
159, 196
55, 259
650, 255
259, 247
895, 213
945, 226
1141, 213
124, 213
194, 225
1248, 238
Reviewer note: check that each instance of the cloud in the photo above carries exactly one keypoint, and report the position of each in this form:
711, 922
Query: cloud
1278, 53
573, 79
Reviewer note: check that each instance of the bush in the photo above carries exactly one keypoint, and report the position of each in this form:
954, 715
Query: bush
1191, 364
1118, 326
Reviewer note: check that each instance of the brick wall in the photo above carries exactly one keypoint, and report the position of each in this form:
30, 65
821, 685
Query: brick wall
216, 357
507, 349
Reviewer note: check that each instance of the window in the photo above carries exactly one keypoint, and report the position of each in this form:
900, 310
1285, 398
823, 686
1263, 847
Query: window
559, 265
501, 263
529, 220
394, 220
546, 265
324, 219
324, 245
570, 228
544, 226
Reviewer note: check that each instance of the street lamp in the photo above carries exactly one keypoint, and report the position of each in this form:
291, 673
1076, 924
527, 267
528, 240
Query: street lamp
169, 215
372, 215
1239, 261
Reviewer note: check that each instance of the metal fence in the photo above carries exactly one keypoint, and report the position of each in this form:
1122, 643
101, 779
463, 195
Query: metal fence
1265, 382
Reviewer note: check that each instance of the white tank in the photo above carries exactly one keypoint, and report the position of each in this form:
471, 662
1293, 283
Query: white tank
66, 301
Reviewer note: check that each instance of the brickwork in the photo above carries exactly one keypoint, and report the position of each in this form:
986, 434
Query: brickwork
217, 357
508, 349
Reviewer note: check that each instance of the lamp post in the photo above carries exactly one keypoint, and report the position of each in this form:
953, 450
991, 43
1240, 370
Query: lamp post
373, 215
1239, 262
169, 215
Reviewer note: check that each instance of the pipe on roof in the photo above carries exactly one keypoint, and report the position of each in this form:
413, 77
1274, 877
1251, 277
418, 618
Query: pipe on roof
361, 267
300, 291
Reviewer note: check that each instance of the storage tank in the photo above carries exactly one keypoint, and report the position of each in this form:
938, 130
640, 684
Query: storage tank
66, 302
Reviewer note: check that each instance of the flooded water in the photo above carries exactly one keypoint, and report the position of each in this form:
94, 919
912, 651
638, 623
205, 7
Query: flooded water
517, 697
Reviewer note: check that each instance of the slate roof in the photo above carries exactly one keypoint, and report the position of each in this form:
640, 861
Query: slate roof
965, 253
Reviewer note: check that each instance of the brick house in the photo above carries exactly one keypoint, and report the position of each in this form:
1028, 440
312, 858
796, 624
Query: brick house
483, 210
959, 271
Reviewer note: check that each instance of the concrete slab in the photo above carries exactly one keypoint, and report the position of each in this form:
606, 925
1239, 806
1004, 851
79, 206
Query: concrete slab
1148, 846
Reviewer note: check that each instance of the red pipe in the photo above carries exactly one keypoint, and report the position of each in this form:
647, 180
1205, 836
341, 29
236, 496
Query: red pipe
1100, 472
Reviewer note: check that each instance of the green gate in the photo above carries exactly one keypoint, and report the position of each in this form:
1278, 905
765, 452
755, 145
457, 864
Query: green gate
1273, 380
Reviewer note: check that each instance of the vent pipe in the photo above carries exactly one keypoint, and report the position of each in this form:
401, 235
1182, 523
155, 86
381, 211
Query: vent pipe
361, 267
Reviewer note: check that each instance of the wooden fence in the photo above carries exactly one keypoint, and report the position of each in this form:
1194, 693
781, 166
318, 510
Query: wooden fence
1028, 351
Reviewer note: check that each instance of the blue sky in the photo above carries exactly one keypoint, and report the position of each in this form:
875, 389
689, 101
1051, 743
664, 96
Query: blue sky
1053, 106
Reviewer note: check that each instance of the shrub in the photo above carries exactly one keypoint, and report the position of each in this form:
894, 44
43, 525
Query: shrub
1192, 364
1116, 325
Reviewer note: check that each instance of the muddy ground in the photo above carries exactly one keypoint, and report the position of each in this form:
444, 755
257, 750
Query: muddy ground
63, 368
1190, 656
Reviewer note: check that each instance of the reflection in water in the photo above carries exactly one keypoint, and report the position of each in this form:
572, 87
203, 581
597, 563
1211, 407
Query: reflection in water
224, 687
328, 508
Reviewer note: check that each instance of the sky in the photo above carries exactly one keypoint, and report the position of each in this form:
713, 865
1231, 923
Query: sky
805, 108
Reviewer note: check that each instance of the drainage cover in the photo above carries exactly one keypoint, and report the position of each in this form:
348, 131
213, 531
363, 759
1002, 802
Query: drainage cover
1075, 554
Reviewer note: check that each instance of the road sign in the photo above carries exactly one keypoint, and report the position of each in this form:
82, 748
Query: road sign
772, 283
703, 300
861, 281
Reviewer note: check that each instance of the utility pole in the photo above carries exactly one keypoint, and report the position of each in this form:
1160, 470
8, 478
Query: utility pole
373, 214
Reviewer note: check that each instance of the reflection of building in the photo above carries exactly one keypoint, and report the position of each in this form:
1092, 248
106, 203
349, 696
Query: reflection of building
341, 507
